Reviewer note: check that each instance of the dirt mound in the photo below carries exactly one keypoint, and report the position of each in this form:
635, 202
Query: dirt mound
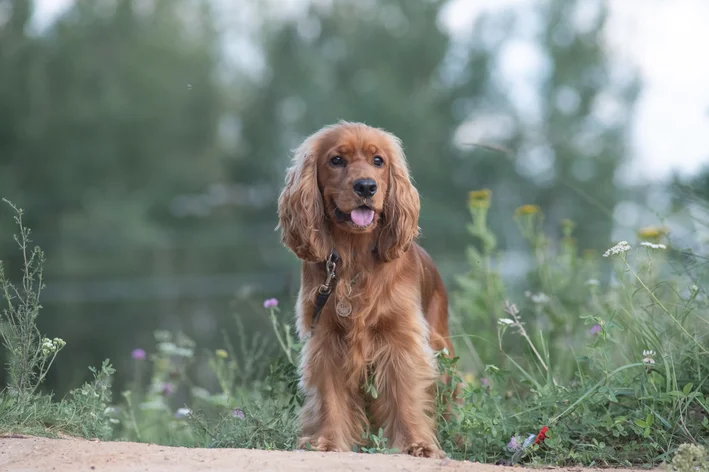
71, 455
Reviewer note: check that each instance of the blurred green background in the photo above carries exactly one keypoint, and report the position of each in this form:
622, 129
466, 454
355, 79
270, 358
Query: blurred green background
147, 141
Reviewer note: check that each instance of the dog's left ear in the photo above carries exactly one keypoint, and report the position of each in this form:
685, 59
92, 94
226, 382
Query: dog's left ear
401, 208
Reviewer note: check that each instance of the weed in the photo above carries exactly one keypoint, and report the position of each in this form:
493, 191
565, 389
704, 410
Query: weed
22, 408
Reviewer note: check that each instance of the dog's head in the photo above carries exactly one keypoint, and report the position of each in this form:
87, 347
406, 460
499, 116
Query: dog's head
352, 178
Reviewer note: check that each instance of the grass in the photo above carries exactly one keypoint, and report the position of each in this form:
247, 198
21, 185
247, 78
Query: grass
599, 360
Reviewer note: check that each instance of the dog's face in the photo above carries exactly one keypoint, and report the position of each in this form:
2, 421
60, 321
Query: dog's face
349, 177
353, 176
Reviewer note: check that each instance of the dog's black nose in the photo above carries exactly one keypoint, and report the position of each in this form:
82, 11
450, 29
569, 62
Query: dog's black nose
365, 187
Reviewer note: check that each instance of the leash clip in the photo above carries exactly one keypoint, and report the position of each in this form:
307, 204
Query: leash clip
330, 266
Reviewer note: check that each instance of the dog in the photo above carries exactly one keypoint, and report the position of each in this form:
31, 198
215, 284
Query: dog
371, 306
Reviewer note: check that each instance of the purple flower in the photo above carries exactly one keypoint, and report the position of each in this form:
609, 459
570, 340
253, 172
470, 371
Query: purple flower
238, 413
514, 444
168, 389
595, 329
485, 382
270, 303
138, 354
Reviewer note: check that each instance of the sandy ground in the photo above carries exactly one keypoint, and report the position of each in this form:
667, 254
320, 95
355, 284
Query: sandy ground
73, 455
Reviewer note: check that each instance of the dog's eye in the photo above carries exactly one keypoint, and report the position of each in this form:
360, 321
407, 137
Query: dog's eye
337, 161
378, 161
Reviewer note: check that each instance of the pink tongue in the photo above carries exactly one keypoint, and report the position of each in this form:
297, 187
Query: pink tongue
362, 216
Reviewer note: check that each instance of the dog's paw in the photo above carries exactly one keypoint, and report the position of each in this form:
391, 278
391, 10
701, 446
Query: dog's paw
425, 450
321, 444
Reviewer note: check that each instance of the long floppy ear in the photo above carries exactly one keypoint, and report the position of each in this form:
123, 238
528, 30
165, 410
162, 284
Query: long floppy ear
401, 208
301, 212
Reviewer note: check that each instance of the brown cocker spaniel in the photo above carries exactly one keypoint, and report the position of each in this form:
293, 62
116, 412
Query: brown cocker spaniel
372, 306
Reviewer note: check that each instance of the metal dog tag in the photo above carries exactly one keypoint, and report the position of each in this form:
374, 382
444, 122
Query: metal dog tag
343, 308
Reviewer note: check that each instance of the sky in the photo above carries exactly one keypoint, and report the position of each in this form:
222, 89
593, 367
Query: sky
664, 39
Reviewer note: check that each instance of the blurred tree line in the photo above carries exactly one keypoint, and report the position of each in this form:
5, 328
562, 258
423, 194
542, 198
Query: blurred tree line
149, 161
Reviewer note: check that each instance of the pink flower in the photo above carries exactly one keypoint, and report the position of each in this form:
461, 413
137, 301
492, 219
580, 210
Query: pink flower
168, 389
595, 329
270, 303
138, 354
238, 413
514, 443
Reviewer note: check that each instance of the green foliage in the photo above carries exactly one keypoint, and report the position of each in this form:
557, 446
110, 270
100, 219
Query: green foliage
84, 412
22, 409
378, 444
690, 458
30, 355
626, 391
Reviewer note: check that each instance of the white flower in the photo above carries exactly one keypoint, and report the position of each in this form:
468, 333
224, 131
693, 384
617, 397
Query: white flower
505, 321
593, 282
653, 245
647, 357
182, 413
47, 347
620, 248
539, 298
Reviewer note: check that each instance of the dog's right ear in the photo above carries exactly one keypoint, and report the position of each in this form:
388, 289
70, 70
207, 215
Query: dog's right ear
301, 208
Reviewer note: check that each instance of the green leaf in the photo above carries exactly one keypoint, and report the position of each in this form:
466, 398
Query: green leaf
688, 388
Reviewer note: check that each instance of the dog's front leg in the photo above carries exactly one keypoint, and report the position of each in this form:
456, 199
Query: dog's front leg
405, 375
332, 417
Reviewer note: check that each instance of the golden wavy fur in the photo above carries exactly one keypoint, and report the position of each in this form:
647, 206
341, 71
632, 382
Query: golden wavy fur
399, 304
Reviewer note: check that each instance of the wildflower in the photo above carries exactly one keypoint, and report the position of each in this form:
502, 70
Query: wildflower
479, 198
47, 347
485, 382
525, 210
653, 245
505, 321
652, 233
694, 289
168, 389
270, 303
539, 298
648, 357
221, 353
58, 343
511, 308
514, 443
138, 354
182, 413
593, 282
620, 248
595, 329
238, 413
469, 378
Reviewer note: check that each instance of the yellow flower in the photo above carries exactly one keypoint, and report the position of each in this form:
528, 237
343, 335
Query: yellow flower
479, 198
222, 353
567, 223
652, 233
527, 210
469, 378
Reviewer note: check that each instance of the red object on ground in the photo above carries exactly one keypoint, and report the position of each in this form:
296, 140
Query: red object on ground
542, 435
